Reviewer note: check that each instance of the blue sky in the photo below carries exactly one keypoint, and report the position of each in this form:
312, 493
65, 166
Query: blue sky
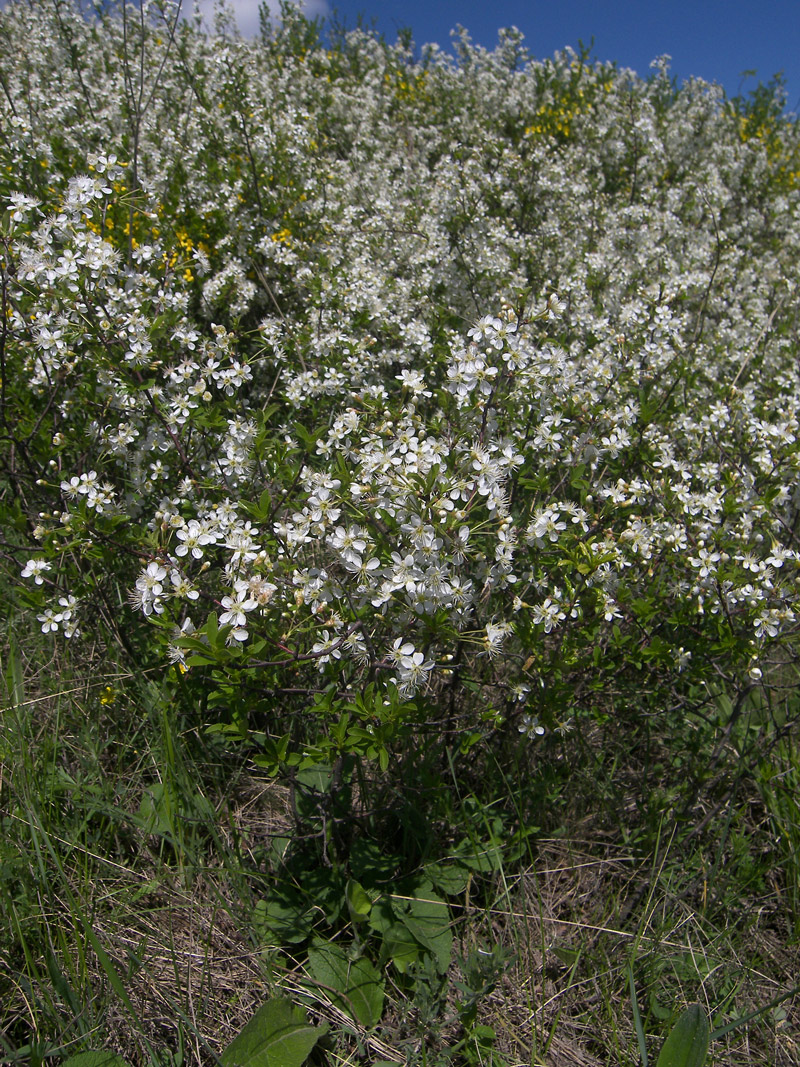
714, 39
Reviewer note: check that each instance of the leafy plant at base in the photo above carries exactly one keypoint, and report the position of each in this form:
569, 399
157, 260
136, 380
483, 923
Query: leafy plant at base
351, 982
278, 1035
687, 1043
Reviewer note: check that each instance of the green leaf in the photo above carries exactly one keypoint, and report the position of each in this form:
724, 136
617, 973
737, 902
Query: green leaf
107, 965
401, 947
198, 661
479, 856
61, 985
278, 1035
371, 862
309, 437
427, 916
382, 918
687, 1044
265, 503
398, 944
96, 1059
281, 921
13, 676
315, 778
637, 1018
155, 810
568, 956
358, 902
355, 986
276, 753
451, 878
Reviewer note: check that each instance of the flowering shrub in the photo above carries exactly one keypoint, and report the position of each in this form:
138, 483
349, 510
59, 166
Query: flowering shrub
370, 391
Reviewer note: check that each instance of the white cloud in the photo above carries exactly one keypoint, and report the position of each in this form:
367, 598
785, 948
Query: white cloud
246, 12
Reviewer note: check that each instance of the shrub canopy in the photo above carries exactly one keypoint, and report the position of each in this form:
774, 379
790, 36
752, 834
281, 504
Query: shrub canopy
375, 392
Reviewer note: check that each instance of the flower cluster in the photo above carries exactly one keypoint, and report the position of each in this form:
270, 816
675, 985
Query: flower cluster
491, 380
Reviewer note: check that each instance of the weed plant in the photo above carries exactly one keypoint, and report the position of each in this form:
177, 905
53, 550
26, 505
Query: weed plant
399, 501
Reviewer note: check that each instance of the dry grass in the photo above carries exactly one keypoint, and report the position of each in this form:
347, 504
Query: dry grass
176, 918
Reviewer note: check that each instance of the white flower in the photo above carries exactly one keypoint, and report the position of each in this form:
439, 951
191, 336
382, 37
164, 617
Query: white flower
413, 671
401, 650
496, 633
705, 562
531, 727
326, 648
35, 568
350, 543
20, 205
236, 607
149, 587
682, 658
183, 587
194, 538
768, 624
49, 621
68, 605
262, 590
413, 381
548, 614
151, 578
610, 607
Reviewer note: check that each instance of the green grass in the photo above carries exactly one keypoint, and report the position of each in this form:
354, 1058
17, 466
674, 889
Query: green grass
135, 849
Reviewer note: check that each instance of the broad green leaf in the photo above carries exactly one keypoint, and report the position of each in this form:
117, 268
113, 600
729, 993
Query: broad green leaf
382, 916
371, 863
156, 810
427, 916
451, 878
198, 661
315, 778
567, 955
96, 1059
313, 784
479, 856
687, 1044
309, 437
278, 1035
280, 921
353, 985
358, 902
400, 946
